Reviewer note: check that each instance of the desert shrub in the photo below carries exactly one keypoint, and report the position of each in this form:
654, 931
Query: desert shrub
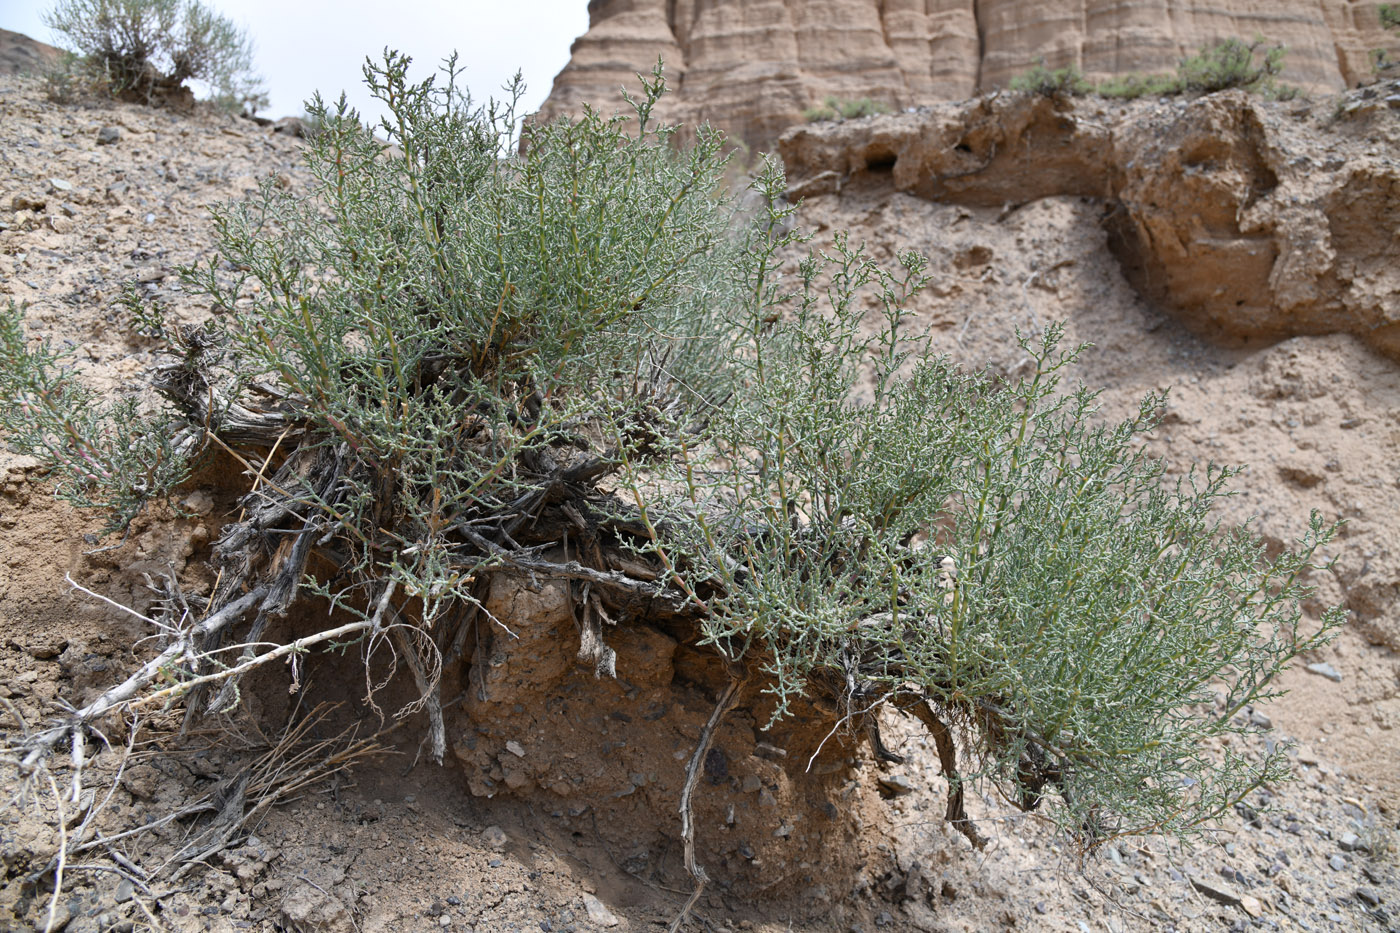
105, 455
1231, 64
149, 49
1133, 86
1218, 67
460, 360
834, 108
1047, 82
1389, 14
1029, 557
68, 79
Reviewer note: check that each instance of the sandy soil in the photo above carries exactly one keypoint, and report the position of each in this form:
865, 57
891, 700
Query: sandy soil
397, 846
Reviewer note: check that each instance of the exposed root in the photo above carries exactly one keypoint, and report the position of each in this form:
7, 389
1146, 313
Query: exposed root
692, 774
948, 758
872, 734
428, 680
61, 859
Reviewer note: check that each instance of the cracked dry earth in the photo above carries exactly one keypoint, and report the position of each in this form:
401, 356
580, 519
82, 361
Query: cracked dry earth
97, 195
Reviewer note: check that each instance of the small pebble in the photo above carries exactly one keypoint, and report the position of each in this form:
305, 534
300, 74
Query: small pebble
598, 912
1326, 670
1337, 862
896, 784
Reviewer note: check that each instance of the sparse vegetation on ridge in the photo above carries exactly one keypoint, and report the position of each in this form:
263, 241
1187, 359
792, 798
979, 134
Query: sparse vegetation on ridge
1058, 82
1381, 61
1133, 86
455, 357
1230, 63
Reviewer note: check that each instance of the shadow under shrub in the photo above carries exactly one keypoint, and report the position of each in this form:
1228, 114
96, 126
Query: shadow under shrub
577, 365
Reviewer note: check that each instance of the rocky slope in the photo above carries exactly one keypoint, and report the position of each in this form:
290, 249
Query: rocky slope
752, 66
1219, 208
20, 54
1270, 233
101, 194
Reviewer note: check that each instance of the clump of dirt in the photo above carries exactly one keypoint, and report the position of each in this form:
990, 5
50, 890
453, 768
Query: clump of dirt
778, 808
558, 807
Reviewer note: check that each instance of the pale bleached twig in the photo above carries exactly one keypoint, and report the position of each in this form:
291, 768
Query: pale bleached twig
43, 743
692, 774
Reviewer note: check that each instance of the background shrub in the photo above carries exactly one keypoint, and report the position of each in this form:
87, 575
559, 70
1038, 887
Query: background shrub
149, 49
1231, 64
834, 108
68, 79
1059, 82
1221, 66
1133, 86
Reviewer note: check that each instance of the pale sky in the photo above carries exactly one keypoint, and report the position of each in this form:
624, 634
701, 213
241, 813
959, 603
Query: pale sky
302, 46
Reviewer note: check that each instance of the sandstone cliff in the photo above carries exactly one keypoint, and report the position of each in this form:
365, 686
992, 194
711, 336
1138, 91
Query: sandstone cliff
752, 66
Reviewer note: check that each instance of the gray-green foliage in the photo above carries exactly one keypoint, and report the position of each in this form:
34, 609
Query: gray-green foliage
1095, 625
106, 455
148, 48
452, 339
838, 109
1229, 63
449, 313
1048, 82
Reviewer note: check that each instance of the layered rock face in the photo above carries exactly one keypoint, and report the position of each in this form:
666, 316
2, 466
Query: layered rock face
752, 66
